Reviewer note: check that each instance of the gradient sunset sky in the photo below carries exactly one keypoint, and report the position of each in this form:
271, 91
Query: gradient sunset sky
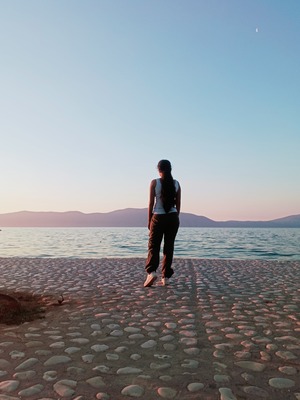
94, 93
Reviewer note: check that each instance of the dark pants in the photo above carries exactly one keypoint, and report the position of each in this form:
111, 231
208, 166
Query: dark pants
162, 226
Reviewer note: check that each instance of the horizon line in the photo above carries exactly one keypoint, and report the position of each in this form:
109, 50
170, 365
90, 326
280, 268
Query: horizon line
145, 208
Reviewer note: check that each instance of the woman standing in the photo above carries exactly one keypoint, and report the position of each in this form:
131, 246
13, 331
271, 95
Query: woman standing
163, 222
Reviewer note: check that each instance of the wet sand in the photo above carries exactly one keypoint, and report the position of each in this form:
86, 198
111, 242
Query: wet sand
223, 329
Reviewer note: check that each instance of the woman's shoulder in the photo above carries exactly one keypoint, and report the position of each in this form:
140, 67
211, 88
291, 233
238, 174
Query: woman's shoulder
176, 183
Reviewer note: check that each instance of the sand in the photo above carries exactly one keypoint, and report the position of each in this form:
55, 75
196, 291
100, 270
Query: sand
223, 329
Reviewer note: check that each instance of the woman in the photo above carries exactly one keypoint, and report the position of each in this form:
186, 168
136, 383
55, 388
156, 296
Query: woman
163, 222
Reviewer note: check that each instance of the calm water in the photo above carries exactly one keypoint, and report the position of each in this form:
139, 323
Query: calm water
276, 244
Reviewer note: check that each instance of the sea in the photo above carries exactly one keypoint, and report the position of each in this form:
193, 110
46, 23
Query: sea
220, 243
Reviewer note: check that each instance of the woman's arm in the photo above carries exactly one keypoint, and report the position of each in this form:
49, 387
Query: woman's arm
151, 201
178, 199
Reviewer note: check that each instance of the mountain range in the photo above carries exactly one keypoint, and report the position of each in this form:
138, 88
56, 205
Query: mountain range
129, 217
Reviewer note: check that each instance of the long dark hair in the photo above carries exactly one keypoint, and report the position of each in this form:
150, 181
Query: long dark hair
168, 192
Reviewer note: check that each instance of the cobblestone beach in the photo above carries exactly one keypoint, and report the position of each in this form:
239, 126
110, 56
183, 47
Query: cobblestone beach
222, 330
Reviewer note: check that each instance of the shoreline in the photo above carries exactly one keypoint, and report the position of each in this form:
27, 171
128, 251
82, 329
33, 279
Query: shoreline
224, 329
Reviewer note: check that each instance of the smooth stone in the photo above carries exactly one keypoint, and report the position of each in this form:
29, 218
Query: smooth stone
34, 343
219, 366
80, 340
224, 346
221, 378
190, 364
159, 367
242, 354
162, 356
155, 323
24, 375
135, 357
286, 339
288, 370
133, 391
28, 335
102, 396
101, 368
98, 348
188, 333
286, 355
9, 386
132, 329
215, 338
43, 352
72, 350
116, 333
112, 357
188, 341
251, 365
234, 336
166, 392
271, 347
50, 376
28, 392
167, 338
96, 327
128, 370
27, 364
149, 344
195, 386
256, 392
219, 354
57, 345
121, 349
14, 355
6, 397
226, 394
88, 358
57, 360
193, 351
171, 325
136, 336
281, 383
65, 387
96, 382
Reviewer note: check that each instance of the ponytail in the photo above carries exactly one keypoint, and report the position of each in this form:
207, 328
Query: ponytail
168, 192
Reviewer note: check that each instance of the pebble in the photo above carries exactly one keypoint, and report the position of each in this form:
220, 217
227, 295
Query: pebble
112, 338
166, 392
9, 386
281, 383
195, 386
27, 364
251, 365
226, 394
65, 387
129, 370
133, 391
54, 360
31, 391
256, 392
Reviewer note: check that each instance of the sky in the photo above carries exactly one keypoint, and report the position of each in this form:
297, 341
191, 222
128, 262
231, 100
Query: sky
94, 93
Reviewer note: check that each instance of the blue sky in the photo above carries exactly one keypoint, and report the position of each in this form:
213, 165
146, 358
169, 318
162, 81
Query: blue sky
95, 93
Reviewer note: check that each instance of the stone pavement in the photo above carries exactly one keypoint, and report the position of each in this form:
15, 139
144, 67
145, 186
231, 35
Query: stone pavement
222, 330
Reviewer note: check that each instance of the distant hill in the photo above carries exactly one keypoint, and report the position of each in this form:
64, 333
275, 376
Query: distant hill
129, 217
